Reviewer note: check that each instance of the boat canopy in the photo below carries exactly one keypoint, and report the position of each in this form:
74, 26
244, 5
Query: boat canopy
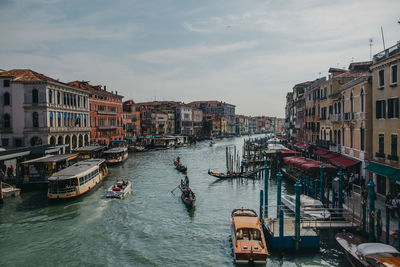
115, 150
79, 169
366, 249
51, 158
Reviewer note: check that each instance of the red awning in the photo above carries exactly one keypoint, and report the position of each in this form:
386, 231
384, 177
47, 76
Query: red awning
288, 151
329, 155
343, 162
320, 152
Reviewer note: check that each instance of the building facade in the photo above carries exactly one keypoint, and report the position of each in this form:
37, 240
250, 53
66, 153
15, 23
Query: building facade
105, 113
184, 120
131, 119
385, 167
39, 110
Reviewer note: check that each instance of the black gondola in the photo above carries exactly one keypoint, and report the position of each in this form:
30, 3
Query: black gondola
180, 167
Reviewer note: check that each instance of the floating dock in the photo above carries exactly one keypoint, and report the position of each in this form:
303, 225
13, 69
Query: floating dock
285, 239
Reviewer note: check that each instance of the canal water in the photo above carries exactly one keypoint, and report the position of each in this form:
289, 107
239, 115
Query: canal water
150, 227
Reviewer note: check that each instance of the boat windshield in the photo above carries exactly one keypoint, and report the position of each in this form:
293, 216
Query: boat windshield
248, 234
62, 186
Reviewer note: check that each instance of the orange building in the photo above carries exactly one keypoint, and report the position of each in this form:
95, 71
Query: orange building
105, 113
131, 119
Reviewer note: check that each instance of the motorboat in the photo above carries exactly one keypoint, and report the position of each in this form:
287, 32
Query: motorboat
309, 207
212, 143
119, 189
360, 252
248, 240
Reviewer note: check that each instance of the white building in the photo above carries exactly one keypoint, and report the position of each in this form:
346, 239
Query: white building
36, 109
184, 120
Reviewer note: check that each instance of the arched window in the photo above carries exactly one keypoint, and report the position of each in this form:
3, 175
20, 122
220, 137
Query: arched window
35, 96
362, 100
51, 119
85, 121
338, 136
7, 121
6, 99
330, 135
50, 96
35, 119
59, 119
351, 102
58, 98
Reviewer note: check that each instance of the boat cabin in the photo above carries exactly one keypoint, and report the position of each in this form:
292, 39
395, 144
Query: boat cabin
77, 179
89, 152
116, 155
37, 171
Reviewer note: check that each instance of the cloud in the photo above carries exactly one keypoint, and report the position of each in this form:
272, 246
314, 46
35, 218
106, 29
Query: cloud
173, 55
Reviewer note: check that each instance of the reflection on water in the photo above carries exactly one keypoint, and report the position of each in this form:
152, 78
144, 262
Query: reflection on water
151, 226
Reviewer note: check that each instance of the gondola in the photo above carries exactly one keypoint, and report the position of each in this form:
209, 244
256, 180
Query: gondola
180, 167
220, 175
188, 200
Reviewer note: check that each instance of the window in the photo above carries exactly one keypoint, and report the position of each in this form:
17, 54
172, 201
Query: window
362, 140
4, 142
394, 74
35, 96
380, 109
65, 98
362, 100
381, 143
51, 119
35, 119
58, 98
393, 108
7, 121
394, 145
6, 99
6, 83
50, 96
351, 137
351, 102
381, 78
59, 119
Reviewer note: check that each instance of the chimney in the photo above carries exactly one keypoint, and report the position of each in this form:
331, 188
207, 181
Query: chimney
116, 92
105, 88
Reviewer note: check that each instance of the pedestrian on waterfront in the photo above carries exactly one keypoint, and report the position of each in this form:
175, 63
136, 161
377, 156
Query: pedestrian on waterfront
364, 195
393, 207
388, 203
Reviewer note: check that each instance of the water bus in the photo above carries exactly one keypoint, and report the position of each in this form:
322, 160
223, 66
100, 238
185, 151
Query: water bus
37, 171
248, 241
118, 152
89, 152
77, 179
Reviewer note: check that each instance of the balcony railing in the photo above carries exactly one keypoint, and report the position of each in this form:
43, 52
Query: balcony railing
335, 117
323, 143
391, 51
106, 112
107, 127
348, 116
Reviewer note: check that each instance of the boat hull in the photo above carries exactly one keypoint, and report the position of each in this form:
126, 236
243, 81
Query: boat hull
119, 194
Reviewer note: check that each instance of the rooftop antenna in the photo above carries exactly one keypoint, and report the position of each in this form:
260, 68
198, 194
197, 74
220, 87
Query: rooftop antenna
383, 39
370, 48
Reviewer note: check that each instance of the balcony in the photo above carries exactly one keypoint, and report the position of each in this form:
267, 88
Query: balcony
380, 155
107, 127
348, 116
391, 51
393, 157
106, 112
335, 117
67, 129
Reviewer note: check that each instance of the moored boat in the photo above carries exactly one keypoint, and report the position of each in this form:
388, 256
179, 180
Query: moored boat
362, 253
248, 240
221, 175
116, 155
77, 179
119, 189
309, 207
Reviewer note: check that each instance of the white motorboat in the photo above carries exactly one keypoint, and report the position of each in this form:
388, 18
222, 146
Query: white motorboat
309, 207
119, 189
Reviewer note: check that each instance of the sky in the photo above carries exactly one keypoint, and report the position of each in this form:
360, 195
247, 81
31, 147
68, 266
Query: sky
245, 52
